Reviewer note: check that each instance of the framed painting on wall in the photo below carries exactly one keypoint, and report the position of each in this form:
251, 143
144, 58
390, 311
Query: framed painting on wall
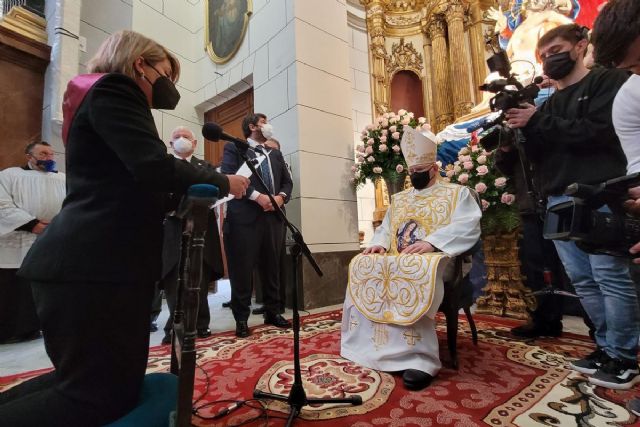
226, 25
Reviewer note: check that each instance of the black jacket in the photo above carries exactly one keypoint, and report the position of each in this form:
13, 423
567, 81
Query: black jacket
245, 210
571, 137
118, 173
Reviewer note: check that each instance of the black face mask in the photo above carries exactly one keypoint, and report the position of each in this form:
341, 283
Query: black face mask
558, 66
420, 180
164, 95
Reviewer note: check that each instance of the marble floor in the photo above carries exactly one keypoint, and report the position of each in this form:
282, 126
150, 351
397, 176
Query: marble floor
26, 356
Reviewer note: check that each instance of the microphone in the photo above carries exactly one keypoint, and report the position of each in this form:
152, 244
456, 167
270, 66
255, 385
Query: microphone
197, 201
227, 410
213, 131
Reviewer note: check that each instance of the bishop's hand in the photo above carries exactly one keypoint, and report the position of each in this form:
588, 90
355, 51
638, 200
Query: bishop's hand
376, 249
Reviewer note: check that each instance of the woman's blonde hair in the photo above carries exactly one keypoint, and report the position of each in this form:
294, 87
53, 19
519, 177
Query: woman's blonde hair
119, 51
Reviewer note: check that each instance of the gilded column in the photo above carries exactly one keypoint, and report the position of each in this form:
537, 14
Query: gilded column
441, 79
476, 39
378, 55
427, 86
459, 55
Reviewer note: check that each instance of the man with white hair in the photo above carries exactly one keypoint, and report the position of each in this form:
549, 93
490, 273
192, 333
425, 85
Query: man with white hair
396, 285
183, 143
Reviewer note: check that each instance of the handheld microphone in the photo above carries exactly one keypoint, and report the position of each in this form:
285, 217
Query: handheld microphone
197, 201
227, 410
213, 132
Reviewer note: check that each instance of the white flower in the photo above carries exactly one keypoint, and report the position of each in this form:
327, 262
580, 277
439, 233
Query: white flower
383, 139
426, 127
370, 127
395, 135
377, 169
370, 141
463, 151
385, 123
450, 173
384, 132
399, 168
392, 129
439, 163
385, 115
411, 115
422, 120
402, 112
393, 120
361, 159
396, 148
360, 148
357, 174
482, 160
457, 169
383, 148
371, 159
405, 120
369, 150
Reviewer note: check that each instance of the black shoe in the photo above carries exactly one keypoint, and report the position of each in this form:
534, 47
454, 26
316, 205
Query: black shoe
242, 329
226, 304
533, 330
166, 339
154, 327
276, 320
259, 310
203, 333
414, 379
617, 374
590, 364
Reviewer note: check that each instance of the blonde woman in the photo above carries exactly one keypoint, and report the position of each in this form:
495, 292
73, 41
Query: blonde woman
94, 268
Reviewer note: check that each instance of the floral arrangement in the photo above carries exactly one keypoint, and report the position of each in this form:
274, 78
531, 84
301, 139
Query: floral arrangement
380, 155
474, 169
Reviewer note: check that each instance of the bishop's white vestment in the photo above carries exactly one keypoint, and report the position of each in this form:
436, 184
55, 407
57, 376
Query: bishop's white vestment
25, 195
391, 300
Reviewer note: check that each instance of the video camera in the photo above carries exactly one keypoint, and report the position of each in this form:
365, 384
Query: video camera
505, 98
610, 233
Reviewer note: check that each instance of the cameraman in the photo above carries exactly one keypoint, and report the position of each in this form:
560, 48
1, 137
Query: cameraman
571, 139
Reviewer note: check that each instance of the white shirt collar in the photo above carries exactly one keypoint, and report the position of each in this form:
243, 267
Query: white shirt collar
253, 144
188, 159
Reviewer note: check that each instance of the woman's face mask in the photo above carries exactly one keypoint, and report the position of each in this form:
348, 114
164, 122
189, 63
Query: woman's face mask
164, 95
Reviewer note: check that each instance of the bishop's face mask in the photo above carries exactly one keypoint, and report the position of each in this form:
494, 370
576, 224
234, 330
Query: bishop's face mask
164, 95
420, 180
182, 145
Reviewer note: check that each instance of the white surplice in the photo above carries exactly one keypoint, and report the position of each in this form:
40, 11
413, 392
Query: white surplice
410, 342
25, 195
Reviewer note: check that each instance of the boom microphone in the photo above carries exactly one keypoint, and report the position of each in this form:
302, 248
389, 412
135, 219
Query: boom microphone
213, 131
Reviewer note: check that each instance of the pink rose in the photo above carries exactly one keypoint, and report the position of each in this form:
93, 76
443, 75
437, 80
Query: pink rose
482, 160
464, 159
485, 205
383, 148
402, 112
474, 148
405, 120
371, 159
364, 132
396, 148
370, 127
411, 115
422, 120
377, 169
481, 187
450, 173
426, 127
385, 123
393, 129
457, 169
360, 159
507, 198
369, 150
399, 168
500, 182
384, 132
383, 139
353, 168
385, 115
468, 165
482, 170
393, 120
370, 141
395, 135
463, 178
379, 119
463, 151
360, 148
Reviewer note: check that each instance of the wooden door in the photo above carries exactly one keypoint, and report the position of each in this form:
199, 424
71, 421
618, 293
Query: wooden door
228, 115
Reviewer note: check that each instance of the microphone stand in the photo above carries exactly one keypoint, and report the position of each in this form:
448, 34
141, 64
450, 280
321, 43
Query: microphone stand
297, 397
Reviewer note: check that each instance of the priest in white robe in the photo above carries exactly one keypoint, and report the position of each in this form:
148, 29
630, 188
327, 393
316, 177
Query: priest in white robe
396, 285
30, 197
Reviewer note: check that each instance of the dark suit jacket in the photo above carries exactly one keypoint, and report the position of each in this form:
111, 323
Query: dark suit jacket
212, 253
246, 210
118, 174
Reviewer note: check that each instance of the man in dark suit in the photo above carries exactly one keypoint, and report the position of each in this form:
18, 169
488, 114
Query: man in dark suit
252, 230
183, 143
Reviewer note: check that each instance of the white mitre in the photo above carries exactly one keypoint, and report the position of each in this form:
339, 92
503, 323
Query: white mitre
418, 148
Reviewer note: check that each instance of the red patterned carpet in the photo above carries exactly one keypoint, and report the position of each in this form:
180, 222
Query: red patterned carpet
501, 382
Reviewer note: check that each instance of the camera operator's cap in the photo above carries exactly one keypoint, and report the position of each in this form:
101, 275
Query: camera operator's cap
418, 148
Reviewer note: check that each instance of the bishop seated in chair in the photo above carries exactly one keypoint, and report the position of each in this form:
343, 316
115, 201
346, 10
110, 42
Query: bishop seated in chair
396, 285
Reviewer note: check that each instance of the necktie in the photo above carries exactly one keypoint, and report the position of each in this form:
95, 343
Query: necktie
265, 170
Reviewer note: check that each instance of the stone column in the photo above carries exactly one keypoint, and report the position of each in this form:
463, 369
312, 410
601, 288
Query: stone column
476, 39
427, 86
441, 78
459, 55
